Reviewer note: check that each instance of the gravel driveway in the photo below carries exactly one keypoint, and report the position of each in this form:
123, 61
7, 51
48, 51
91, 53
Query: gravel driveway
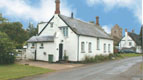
112, 70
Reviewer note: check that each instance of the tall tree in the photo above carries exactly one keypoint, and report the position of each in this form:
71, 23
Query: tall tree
2, 19
15, 32
32, 31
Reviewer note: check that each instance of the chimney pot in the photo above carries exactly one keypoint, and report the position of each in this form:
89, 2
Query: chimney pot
126, 30
97, 20
57, 7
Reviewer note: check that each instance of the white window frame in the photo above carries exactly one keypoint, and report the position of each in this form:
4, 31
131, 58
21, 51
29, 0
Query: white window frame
41, 46
109, 48
104, 48
82, 47
90, 47
98, 44
51, 24
65, 31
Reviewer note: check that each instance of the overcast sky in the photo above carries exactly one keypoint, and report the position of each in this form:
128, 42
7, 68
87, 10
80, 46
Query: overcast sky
126, 13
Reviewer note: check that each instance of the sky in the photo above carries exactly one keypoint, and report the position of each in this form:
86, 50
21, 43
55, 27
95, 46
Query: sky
125, 13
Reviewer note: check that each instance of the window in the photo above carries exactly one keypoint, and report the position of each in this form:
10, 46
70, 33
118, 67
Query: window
65, 31
33, 45
130, 43
104, 47
51, 24
98, 43
42, 46
109, 48
90, 47
82, 47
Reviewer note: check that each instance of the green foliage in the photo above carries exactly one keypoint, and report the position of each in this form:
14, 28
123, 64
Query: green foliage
6, 50
97, 58
32, 31
101, 58
15, 32
130, 55
14, 71
2, 19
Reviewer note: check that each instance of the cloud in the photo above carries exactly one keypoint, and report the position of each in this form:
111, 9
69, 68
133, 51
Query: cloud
132, 5
107, 28
20, 9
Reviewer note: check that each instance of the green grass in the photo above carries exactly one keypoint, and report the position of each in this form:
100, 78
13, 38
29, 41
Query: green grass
130, 55
18, 71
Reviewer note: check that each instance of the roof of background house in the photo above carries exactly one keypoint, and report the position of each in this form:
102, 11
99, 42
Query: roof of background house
135, 37
41, 39
84, 28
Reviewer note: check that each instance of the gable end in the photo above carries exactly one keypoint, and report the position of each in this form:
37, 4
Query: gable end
46, 25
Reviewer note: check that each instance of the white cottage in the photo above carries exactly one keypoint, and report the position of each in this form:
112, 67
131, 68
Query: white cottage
68, 36
131, 41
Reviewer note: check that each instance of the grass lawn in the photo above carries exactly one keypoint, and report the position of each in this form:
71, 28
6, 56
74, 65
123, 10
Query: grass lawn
130, 55
18, 71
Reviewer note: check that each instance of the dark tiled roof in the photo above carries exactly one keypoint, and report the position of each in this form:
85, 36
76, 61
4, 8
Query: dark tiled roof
84, 28
135, 37
41, 39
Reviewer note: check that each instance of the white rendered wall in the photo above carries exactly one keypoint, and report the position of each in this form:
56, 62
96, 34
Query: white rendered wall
95, 51
41, 26
124, 43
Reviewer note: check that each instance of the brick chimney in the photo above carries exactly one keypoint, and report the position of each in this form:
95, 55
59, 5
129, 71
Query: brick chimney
97, 20
126, 30
57, 7
133, 31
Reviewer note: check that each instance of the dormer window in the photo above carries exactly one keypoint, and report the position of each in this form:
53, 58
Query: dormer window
51, 24
64, 30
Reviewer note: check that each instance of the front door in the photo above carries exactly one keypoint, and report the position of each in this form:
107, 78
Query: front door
60, 52
35, 55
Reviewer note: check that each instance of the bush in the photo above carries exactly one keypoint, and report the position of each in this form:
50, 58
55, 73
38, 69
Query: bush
99, 58
7, 55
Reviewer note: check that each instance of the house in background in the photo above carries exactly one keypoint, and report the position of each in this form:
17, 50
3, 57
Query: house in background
131, 41
116, 33
68, 36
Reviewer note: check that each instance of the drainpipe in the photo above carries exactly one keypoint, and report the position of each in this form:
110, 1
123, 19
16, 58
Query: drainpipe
78, 48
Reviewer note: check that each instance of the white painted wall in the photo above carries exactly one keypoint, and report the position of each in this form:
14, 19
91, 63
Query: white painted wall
126, 40
41, 26
95, 51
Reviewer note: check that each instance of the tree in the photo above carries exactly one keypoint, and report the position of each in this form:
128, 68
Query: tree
32, 31
2, 19
6, 49
15, 32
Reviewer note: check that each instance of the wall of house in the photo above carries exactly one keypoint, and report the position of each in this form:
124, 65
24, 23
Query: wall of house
41, 26
94, 49
125, 42
30, 51
69, 43
48, 49
138, 49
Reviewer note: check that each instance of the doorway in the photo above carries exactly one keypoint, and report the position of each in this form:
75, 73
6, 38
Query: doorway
60, 52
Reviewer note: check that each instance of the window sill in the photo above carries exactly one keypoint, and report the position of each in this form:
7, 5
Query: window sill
83, 52
41, 47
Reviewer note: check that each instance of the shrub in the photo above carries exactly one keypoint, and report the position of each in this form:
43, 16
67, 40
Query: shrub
99, 58
7, 55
